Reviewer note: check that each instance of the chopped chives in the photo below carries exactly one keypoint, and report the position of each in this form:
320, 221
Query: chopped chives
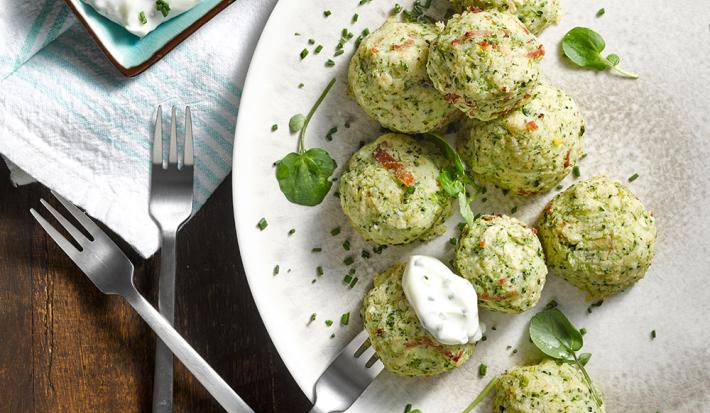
300, 85
365, 254
319, 270
311, 319
326, 13
274, 127
345, 319
653, 334
276, 270
582, 331
329, 63
291, 231
353, 282
304, 53
331, 132
482, 369
453, 241
335, 231
316, 249
329, 322
346, 245
262, 224
355, 17
348, 260
633, 177
347, 279
575, 172
514, 209
311, 41
142, 18
601, 12
397, 8
338, 52
318, 49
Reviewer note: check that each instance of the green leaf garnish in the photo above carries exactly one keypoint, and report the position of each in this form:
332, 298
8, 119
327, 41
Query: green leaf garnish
163, 7
296, 122
303, 175
584, 46
553, 334
482, 395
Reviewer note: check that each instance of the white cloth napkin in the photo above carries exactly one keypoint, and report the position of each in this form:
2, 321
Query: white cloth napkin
28, 26
72, 122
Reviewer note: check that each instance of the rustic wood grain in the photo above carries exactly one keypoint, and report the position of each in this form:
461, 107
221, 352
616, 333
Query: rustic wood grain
65, 347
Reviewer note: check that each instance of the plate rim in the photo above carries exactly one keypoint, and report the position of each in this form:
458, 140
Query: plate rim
241, 227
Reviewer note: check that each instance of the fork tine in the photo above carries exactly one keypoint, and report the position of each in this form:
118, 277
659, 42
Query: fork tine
71, 229
187, 148
172, 151
65, 245
84, 220
158, 138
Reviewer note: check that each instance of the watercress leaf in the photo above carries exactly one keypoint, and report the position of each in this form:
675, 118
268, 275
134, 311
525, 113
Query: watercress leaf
296, 122
450, 152
449, 184
584, 358
304, 177
614, 59
554, 335
465, 208
583, 46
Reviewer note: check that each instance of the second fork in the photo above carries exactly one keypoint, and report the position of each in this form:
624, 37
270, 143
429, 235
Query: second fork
170, 206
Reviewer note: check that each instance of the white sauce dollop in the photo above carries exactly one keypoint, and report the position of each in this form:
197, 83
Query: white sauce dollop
127, 13
446, 304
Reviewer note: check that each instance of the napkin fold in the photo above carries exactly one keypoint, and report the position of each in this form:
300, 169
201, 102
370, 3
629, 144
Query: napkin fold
72, 122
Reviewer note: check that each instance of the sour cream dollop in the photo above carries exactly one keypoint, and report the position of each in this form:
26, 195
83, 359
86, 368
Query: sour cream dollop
446, 304
139, 17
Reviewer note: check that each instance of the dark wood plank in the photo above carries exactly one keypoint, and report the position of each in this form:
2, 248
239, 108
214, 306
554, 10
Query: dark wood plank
66, 347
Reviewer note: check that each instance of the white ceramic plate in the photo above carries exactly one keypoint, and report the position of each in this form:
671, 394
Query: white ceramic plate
656, 126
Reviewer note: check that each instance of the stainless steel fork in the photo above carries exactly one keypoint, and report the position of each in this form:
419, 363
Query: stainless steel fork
170, 206
112, 272
355, 367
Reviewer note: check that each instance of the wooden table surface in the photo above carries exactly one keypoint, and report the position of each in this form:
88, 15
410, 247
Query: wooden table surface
65, 347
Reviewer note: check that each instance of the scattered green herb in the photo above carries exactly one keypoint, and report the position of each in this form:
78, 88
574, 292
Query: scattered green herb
163, 7
482, 369
319, 271
653, 334
355, 17
344, 319
312, 318
291, 231
633, 177
326, 13
396, 9
332, 131
583, 46
318, 49
514, 209
316, 249
453, 241
329, 322
329, 63
141, 18
335, 231
274, 127
303, 176
311, 41
553, 334
349, 260
276, 270
576, 172
417, 14
262, 224
582, 331
353, 282
601, 12
304, 53
346, 245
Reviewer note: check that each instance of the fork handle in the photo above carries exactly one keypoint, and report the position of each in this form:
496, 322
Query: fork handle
163, 374
202, 371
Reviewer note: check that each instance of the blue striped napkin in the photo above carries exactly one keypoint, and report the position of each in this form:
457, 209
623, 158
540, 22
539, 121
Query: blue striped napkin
72, 122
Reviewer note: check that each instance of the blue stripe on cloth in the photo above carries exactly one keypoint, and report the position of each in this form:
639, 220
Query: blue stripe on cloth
56, 26
34, 32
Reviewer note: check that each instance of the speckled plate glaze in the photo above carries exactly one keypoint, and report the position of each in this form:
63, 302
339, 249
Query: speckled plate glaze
656, 126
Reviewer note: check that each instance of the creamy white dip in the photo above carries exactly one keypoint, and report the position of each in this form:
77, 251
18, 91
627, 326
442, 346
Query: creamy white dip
445, 303
140, 17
